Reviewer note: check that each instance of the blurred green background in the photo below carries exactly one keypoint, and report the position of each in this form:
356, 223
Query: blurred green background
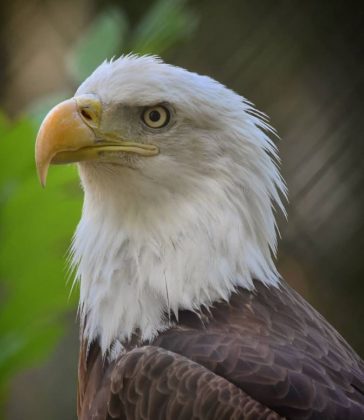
300, 62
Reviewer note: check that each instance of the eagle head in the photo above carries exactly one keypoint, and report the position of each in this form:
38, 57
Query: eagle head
180, 181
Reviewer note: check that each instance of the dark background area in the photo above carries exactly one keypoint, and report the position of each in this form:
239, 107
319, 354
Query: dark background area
299, 62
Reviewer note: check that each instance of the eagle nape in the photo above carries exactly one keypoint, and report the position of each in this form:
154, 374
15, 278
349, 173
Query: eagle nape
183, 313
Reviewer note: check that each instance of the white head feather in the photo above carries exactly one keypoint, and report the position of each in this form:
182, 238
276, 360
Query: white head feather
182, 229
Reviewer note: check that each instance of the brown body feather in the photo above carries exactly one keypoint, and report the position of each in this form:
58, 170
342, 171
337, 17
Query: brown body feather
264, 355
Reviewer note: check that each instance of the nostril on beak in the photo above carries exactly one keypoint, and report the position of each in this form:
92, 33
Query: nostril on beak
90, 108
86, 115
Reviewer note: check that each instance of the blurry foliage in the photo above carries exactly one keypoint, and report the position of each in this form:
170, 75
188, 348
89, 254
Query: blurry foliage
162, 27
103, 39
35, 230
36, 225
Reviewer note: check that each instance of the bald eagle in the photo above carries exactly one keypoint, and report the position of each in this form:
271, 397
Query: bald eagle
183, 313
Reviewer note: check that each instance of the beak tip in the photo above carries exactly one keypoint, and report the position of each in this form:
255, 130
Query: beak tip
42, 175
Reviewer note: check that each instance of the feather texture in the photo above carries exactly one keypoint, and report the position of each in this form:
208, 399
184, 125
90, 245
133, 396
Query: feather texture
270, 345
152, 383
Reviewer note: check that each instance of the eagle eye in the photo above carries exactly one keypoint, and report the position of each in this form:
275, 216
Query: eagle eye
156, 116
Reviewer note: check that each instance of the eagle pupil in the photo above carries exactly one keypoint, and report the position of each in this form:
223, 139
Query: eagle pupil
154, 116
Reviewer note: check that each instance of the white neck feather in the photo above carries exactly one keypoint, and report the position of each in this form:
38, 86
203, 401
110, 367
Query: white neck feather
143, 250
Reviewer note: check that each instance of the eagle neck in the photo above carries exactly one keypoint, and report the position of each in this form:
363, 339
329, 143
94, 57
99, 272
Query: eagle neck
138, 262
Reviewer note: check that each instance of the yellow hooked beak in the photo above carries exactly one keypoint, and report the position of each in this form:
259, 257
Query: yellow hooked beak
70, 133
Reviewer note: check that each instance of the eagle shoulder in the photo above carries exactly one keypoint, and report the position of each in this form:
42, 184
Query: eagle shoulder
153, 383
268, 351
278, 349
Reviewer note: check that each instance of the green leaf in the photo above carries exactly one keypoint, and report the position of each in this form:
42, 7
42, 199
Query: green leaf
103, 39
34, 296
164, 25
